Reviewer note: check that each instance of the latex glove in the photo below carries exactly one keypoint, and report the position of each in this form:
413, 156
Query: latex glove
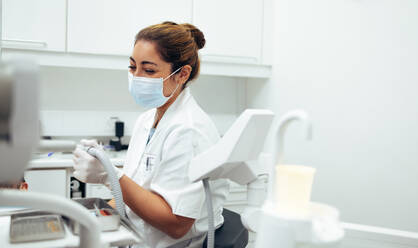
89, 142
87, 168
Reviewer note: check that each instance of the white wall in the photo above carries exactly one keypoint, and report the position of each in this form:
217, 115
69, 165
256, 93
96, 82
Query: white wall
353, 65
106, 91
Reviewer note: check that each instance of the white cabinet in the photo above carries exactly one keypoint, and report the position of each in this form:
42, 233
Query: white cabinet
34, 24
233, 29
52, 181
99, 27
100, 33
109, 27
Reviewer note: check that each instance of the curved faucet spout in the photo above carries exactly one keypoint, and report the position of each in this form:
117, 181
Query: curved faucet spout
295, 115
278, 147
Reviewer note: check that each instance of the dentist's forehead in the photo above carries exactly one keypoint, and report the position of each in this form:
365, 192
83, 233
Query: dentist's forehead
145, 52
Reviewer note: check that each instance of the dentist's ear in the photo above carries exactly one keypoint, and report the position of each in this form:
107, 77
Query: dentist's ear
184, 74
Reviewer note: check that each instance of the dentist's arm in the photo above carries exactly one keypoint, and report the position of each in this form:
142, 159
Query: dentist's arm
153, 209
112, 203
150, 206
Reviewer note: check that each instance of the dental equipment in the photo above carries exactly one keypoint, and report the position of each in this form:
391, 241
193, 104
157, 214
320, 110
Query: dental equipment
228, 158
236, 156
19, 134
307, 224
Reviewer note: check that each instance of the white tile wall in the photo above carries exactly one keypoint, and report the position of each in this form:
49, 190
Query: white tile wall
80, 102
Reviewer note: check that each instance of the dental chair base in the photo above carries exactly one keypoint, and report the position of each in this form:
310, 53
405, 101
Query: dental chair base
320, 229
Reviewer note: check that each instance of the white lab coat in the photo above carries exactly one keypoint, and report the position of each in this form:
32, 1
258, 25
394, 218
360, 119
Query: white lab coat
162, 167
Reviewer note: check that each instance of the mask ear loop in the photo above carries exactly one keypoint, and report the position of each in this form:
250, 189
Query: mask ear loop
172, 73
172, 93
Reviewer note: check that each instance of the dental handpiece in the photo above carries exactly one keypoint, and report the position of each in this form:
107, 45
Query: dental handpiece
114, 185
113, 179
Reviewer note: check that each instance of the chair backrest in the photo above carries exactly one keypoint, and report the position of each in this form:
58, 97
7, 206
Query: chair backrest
242, 142
232, 234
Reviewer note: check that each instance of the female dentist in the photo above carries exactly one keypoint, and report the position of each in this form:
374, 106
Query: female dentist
164, 205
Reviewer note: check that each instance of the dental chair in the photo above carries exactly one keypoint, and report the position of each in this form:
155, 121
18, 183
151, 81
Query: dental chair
232, 234
233, 158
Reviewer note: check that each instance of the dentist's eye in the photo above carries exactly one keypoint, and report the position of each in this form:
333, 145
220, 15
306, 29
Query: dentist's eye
149, 71
131, 67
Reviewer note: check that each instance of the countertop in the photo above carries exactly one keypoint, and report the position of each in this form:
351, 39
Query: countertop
64, 160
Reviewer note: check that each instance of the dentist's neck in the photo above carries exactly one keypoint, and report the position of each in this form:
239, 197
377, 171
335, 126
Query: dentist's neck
159, 113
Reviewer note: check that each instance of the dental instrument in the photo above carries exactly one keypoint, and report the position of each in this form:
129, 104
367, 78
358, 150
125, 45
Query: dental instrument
114, 185
19, 134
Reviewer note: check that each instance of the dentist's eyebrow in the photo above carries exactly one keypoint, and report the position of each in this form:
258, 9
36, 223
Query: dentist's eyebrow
148, 62
143, 62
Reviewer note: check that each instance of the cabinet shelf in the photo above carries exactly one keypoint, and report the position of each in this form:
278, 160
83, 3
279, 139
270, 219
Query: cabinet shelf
112, 62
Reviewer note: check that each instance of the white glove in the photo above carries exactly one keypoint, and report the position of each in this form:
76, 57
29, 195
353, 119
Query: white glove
87, 168
90, 142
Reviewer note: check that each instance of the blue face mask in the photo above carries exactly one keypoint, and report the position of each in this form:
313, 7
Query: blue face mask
148, 92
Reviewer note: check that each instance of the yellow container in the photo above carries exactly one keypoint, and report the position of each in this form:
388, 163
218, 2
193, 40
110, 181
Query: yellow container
292, 190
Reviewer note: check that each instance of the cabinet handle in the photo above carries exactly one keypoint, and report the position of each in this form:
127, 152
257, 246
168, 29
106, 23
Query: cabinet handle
243, 58
228, 56
31, 43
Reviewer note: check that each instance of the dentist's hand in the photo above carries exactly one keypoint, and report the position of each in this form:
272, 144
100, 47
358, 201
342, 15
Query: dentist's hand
87, 168
90, 142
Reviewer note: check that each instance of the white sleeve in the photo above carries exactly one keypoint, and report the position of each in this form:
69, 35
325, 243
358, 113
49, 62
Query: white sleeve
171, 181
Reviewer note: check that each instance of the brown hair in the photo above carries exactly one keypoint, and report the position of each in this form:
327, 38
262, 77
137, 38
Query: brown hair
176, 43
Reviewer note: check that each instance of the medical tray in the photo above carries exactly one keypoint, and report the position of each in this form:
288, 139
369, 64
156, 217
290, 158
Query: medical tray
108, 222
35, 226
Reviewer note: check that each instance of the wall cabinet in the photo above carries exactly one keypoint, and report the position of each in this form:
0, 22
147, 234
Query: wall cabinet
104, 27
101, 33
34, 24
233, 29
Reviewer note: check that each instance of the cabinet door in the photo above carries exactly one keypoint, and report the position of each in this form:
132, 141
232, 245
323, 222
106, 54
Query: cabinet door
34, 24
147, 13
233, 29
47, 181
99, 26
109, 27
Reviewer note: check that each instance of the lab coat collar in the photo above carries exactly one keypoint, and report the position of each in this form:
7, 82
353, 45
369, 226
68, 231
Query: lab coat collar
182, 99
150, 120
